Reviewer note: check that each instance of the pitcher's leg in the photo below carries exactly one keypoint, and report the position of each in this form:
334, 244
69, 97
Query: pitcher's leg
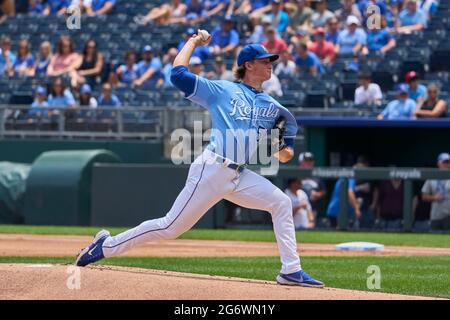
191, 204
256, 192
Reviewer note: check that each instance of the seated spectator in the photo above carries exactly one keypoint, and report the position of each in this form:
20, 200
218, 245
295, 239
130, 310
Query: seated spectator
380, 39
280, 19
196, 67
168, 65
401, 108
369, 7
286, 67
307, 62
224, 39
195, 12
353, 39
432, 106
250, 6
438, 193
167, 13
349, 8
389, 205
201, 52
272, 86
107, 99
91, 65
66, 60
7, 57
86, 99
56, 7
148, 69
333, 209
214, 7
98, 7
39, 103
59, 96
35, 7
323, 49
301, 16
301, 36
417, 91
220, 71
301, 208
24, 63
321, 16
411, 18
128, 72
258, 35
7, 9
333, 31
274, 44
367, 93
43, 59
429, 7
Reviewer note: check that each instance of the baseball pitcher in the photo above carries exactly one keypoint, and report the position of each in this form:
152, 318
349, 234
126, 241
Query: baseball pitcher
217, 173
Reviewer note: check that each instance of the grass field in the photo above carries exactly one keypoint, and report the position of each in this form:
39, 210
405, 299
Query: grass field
425, 276
331, 237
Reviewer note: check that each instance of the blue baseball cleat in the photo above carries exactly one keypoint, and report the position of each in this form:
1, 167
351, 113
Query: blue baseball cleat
299, 278
94, 251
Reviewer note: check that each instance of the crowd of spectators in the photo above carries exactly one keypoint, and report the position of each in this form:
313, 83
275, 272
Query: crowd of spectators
306, 34
371, 205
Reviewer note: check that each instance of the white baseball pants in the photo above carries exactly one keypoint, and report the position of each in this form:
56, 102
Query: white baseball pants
207, 183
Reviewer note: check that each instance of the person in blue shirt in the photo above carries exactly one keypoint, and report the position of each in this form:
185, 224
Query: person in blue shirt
148, 69
400, 109
59, 96
411, 18
352, 40
280, 18
380, 39
24, 64
7, 57
202, 52
214, 7
128, 72
56, 7
333, 31
195, 12
39, 103
107, 100
417, 91
224, 39
240, 113
35, 7
168, 65
43, 59
99, 7
333, 209
307, 62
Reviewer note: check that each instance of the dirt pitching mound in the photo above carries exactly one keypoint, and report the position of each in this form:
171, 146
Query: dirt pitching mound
45, 281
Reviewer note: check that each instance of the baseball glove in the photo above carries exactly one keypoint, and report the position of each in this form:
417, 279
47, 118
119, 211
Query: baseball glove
278, 141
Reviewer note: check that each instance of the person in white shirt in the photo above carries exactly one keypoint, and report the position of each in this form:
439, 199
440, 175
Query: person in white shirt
272, 86
368, 93
301, 208
286, 67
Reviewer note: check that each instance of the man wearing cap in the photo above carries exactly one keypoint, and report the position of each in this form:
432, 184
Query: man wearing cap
411, 18
353, 39
417, 91
237, 109
39, 107
201, 52
438, 193
220, 71
148, 69
323, 49
196, 67
225, 39
400, 109
274, 44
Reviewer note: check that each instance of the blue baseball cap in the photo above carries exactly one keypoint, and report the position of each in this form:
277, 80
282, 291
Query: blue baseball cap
444, 157
254, 51
85, 88
402, 88
190, 31
41, 90
148, 48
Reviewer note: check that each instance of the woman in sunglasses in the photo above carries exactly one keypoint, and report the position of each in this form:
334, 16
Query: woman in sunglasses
432, 106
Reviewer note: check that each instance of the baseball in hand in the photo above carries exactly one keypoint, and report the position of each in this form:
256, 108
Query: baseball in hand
204, 34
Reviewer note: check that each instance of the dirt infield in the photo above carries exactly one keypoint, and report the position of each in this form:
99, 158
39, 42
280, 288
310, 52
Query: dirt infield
27, 281
59, 246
